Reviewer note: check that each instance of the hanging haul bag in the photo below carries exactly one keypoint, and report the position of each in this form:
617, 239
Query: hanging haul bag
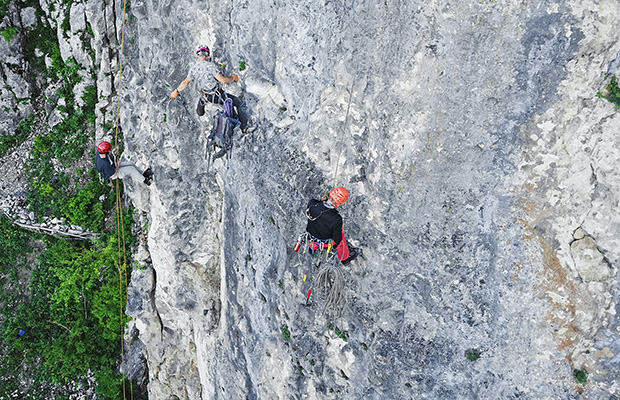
221, 136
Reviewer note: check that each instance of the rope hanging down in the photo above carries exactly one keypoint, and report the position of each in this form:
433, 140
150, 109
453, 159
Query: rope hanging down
120, 231
346, 124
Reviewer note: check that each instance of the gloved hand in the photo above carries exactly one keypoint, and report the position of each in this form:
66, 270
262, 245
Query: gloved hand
174, 94
235, 78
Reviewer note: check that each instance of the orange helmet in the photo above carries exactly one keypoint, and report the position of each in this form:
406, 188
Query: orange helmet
339, 195
104, 147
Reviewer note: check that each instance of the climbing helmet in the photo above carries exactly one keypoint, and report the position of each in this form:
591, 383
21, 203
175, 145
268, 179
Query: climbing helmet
104, 147
203, 51
339, 195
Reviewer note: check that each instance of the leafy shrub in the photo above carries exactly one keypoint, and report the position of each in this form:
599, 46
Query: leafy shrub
9, 32
85, 209
4, 8
49, 193
90, 101
472, 354
286, 333
14, 245
581, 376
71, 317
612, 92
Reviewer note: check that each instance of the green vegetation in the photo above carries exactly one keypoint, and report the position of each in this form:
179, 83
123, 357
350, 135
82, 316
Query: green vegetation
65, 143
611, 92
581, 376
472, 354
67, 296
286, 333
9, 33
85, 209
242, 65
4, 7
69, 311
344, 335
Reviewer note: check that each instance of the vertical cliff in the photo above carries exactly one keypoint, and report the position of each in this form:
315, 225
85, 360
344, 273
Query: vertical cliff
483, 180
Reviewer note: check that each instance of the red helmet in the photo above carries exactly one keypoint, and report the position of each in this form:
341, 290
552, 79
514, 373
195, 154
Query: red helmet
339, 195
104, 147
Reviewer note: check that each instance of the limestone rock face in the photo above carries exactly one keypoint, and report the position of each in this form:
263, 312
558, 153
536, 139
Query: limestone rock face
484, 195
589, 261
473, 147
14, 96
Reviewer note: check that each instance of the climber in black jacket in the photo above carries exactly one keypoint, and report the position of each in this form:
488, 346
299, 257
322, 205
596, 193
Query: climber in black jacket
325, 224
106, 165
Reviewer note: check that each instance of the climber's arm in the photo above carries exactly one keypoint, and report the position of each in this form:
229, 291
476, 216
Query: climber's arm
181, 87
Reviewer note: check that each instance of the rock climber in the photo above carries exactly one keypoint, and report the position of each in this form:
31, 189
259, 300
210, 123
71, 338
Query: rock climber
207, 81
106, 165
325, 224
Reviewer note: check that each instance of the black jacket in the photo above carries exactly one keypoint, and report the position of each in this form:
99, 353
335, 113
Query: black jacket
324, 222
105, 166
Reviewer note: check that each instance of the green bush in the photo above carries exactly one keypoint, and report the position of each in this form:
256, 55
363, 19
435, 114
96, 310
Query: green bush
90, 101
14, 245
581, 376
286, 333
85, 209
4, 8
612, 92
9, 33
71, 317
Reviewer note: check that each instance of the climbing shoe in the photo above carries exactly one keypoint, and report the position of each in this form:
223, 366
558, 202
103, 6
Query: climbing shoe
148, 173
248, 129
353, 252
148, 181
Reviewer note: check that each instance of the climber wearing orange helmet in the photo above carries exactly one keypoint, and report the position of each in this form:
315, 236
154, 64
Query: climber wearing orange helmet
106, 165
207, 79
325, 223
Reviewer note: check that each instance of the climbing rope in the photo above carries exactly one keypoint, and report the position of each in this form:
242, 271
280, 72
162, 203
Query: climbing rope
330, 277
120, 231
346, 124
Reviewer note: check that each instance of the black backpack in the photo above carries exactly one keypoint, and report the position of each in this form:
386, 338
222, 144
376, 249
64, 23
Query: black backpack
221, 135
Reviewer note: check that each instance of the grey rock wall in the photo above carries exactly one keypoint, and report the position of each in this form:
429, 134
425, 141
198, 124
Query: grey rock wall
483, 180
